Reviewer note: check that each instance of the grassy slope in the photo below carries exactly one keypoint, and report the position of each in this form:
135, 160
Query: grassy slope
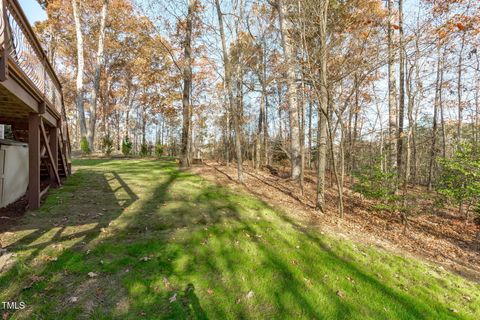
151, 232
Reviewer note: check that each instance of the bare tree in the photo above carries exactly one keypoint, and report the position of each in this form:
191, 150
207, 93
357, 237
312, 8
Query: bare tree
322, 108
436, 107
292, 96
228, 85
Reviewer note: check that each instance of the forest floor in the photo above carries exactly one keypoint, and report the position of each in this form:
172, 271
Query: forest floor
437, 234
141, 239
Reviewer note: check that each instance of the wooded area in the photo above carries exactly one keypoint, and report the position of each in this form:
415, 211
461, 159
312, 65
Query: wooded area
380, 95
244, 159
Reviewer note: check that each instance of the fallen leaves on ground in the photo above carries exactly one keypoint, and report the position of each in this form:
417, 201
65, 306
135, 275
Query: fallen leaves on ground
167, 284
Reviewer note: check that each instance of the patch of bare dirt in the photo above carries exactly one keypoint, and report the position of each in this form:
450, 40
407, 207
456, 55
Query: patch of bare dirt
12, 213
440, 236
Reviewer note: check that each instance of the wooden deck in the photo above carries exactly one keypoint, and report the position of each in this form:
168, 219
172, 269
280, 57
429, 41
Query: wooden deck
31, 101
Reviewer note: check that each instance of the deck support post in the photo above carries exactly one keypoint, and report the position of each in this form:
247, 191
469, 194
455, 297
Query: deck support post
34, 161
53, 141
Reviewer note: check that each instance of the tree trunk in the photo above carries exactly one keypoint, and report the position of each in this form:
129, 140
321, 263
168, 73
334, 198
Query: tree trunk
228, 85
413, 119
411, 123
459, 89
401, 109
353, 165
310, 111
265, 129
118, 130
302, 136
144, 128
106, 108
127, 123
339, 176
442, 118
392, 107
477, 116
260, 131
187, 89
265, 114
96, 79
227, 138
80, 91
288, 51
323, 109
433, 143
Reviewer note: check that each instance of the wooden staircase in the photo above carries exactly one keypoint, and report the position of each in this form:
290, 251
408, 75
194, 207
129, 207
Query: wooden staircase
45, 167
64, 163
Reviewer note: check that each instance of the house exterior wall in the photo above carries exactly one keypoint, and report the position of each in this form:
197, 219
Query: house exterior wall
13, 171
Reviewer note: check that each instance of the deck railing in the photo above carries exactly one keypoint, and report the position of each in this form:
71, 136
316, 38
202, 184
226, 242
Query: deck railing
25, 51
22, 55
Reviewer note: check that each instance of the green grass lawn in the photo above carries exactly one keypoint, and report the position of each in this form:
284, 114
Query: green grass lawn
139, 239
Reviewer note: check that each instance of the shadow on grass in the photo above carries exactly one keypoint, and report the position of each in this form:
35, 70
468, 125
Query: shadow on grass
71, 217
178, 247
